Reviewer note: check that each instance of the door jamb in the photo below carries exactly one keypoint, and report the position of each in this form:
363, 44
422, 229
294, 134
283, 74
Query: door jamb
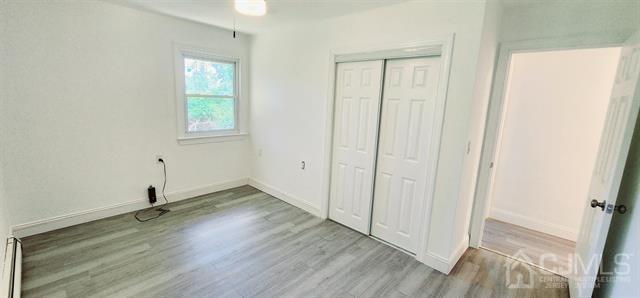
443, 47
496, 110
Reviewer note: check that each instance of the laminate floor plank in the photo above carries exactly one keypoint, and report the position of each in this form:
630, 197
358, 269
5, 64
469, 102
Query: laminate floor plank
544, 250
245, 243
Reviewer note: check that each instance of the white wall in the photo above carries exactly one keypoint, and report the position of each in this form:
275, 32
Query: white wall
4, 212
91, 100
478, 117
289, 80
555, 107
579, 18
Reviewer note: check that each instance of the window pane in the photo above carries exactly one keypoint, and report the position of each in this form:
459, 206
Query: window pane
208, 78
207, 114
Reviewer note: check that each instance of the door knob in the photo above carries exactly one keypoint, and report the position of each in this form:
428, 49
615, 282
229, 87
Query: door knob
622, 209
595, 203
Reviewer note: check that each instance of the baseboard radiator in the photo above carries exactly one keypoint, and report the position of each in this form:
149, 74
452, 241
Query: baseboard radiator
12, 271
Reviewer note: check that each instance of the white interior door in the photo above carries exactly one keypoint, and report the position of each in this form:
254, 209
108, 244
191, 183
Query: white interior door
614, 147
408, 112
357, 108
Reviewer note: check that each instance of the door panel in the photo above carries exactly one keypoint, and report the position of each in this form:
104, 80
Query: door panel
357, 108
605, 183
407, 121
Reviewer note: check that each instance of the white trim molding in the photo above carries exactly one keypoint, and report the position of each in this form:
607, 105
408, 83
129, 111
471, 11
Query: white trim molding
287, 198
236, 137
408, 50
442, 264
11, 279
240, 96
71, 219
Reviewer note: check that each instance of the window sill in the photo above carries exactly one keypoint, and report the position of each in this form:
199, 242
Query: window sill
235, 137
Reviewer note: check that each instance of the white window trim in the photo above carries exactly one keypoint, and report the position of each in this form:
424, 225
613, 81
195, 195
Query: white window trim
237, 134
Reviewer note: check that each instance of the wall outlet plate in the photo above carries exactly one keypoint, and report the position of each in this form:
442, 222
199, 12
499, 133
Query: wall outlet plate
159, 157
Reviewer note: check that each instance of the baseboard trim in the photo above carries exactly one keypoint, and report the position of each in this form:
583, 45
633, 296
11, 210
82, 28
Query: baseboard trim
71, 219
436, 262
457, 254
534, 224
285, 197
445, 265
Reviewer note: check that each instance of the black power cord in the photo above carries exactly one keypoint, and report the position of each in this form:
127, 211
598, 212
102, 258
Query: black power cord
162, 208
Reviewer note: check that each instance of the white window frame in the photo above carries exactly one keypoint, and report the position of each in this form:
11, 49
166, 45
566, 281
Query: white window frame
184, 136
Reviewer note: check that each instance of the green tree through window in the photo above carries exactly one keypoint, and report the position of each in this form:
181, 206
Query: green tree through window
210, 95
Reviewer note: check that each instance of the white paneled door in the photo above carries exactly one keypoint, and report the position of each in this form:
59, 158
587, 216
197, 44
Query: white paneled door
357, 109
408, 115
607, 175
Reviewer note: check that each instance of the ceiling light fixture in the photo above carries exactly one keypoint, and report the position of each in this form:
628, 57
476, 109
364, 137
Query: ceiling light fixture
251, 7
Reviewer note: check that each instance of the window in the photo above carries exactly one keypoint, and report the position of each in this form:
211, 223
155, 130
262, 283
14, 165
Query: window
210, 95
207, 91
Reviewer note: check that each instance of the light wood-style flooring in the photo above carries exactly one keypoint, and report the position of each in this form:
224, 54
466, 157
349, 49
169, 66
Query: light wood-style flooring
244, 243
547, 251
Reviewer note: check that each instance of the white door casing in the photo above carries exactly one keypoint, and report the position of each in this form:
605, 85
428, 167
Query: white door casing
605, 183
357, 109
407, 122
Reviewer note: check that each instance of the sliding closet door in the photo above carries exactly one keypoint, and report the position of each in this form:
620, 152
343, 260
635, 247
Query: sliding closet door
408, 111
357, 106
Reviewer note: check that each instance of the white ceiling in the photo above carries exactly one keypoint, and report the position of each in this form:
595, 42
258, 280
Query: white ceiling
279, 12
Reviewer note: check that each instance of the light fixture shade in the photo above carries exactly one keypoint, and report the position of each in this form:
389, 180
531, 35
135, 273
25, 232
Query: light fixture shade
251, 7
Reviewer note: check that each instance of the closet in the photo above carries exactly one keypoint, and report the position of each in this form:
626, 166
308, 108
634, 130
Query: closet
384, 123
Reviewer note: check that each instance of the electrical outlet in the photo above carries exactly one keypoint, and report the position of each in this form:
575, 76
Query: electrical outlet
303, 165
158, 157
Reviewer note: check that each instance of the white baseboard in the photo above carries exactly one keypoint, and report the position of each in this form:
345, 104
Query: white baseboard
67, 220
457, 254
285, 197
445, 265
534, 224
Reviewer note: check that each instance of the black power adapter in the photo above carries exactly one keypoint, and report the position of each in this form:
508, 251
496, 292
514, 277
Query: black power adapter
151, 191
